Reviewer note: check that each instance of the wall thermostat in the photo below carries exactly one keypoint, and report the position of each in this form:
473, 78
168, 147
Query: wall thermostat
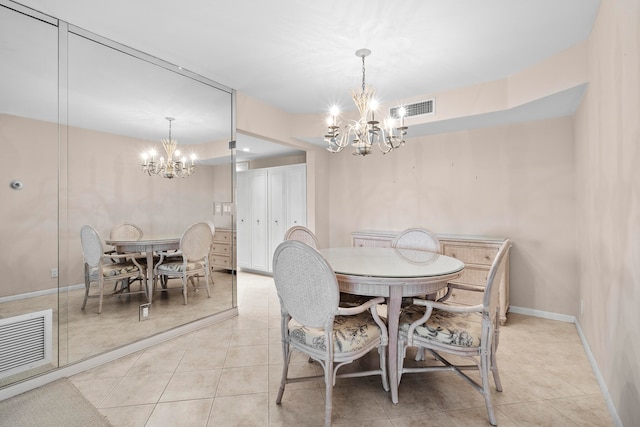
16, 185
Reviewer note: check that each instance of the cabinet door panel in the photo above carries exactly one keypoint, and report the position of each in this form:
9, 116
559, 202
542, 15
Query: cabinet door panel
296, 200
277, 212
259, 230
243, 223
471, 254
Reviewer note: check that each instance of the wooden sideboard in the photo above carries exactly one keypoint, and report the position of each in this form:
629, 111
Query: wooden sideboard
477, 253
221, 255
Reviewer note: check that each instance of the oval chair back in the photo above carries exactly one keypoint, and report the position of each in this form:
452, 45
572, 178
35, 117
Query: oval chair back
306, 284
417, 239
126, 231
302, 234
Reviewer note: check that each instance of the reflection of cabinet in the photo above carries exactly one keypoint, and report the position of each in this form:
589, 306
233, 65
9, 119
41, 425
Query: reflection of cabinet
477, 253
221, 255
270, 201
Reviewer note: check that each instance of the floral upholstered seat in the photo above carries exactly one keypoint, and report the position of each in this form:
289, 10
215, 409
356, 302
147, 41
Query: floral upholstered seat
459, 329
111, 270
179, 266
350, 333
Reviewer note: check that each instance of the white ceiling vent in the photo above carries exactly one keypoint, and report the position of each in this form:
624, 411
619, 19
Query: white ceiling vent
421, 108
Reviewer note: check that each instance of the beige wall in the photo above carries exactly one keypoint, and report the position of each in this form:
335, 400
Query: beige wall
515, 181
608, 193
29, 217
105, 187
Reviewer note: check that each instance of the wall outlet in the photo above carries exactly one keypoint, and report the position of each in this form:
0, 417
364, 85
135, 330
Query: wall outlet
581, 307
144, 311
54, 273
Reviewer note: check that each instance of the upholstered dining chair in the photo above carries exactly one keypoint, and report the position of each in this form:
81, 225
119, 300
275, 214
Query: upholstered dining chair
191, 259
197, 276
128, 231
302, 234
470, 332
102, 268
313, 323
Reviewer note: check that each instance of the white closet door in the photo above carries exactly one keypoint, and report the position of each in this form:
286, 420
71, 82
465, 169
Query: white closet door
296, 198
243, 224
259, 229
277, 212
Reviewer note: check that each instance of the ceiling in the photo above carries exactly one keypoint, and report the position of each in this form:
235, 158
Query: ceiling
299, 56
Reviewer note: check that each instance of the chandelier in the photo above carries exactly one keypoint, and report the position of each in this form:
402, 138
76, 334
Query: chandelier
364, 133
173, 165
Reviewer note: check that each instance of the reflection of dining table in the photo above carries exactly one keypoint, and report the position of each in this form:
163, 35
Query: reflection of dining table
148, 245
393, 274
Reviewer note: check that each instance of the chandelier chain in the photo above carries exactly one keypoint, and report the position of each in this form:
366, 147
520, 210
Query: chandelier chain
363, 74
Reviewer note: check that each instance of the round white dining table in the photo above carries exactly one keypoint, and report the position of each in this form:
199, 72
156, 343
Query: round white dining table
149, 246
391, 273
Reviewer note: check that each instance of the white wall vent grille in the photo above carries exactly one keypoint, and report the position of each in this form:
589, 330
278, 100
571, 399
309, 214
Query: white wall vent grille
25, 342
417, 109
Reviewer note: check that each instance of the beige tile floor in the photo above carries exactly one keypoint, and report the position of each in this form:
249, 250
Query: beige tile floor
228, 375
86, 333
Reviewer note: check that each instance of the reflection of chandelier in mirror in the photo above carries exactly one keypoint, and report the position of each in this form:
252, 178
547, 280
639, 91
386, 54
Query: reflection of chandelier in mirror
169, 168
365, 131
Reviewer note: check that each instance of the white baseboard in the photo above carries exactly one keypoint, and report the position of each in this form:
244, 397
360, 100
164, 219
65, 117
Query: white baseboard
41, 293
596, 372
617, 422
543, 314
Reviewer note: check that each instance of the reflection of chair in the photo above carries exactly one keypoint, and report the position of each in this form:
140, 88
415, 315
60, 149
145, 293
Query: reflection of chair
126, 231
191, 259
314, 324
417, 239
302, 234
197, 276
101, 268
416, 257
467, 331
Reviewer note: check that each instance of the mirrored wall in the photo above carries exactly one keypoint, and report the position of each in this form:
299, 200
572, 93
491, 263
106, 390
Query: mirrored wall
76, 113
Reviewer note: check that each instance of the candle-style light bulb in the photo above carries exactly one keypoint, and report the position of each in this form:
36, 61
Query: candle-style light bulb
402, 112
333, 112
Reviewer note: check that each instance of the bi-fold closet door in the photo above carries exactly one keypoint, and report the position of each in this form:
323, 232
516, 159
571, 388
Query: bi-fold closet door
270, 201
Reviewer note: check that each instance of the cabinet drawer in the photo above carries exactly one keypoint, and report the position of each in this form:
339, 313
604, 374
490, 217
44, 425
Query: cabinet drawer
222, 236
473, 276
220, 248
471, 254
220, 261
376, 243
461, 296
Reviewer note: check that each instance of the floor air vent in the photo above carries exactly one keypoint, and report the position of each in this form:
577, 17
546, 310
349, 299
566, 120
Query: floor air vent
417, 109
25, 342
